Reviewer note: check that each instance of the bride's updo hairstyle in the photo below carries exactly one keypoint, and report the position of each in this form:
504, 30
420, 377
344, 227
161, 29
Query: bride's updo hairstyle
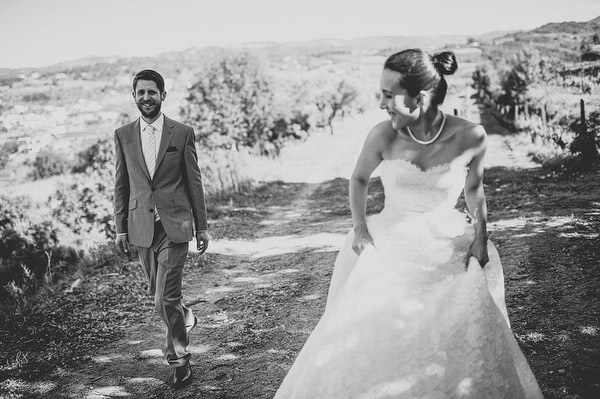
421, 71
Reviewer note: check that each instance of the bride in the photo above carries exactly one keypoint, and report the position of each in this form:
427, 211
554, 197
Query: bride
416, 303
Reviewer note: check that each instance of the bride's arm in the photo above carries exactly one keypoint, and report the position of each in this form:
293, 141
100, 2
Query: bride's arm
475, 197
370, 157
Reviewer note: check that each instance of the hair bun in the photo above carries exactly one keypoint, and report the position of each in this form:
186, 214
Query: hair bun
445, 62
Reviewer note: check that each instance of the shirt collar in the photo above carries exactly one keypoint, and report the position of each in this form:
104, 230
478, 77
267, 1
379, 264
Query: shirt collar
157, 124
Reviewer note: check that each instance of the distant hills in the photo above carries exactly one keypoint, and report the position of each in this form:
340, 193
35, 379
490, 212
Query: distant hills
195, 56
578, 28
557, 39
561, 41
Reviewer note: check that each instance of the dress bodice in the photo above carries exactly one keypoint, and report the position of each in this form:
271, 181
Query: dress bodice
409, 189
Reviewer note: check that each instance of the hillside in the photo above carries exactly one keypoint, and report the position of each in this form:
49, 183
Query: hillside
557, 40
193, 57
589, 27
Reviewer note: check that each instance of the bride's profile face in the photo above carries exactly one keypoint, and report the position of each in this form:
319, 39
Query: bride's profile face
395, 100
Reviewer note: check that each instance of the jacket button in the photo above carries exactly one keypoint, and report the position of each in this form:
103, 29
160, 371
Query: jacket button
151, 210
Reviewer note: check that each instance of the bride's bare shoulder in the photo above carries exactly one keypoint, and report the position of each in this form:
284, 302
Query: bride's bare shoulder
470, 134
382, 133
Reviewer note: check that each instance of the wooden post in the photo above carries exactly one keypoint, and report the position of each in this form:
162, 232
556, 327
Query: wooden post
544, 121
583, 123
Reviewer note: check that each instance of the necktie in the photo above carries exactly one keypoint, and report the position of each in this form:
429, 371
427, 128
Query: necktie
150, 149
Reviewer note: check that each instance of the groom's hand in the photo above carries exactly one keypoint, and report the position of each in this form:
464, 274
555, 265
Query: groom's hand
202, 241
123, 244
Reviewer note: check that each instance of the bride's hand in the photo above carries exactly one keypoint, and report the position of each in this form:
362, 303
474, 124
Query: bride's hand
362, 239
479, 251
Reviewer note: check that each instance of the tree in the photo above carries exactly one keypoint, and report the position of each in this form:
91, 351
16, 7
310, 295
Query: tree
484, 80
230, 106
528, 70
332, 96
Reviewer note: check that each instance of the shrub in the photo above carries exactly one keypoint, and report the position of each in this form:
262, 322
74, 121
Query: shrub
98, 156
36, 97
85, 205
3, 159
27, 239
11, 146
223, 172
232, 106
585, 143
47, 164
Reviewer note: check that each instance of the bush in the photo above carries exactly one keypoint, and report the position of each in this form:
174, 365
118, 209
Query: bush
96, 157
232, 106
3, 159
36, 97
11, 147
27, 240
47, 164
585, 144
85, 205
223, 172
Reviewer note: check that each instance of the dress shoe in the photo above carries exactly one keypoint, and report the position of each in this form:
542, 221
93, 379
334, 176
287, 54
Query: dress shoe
182, 376
189, 328
187, 331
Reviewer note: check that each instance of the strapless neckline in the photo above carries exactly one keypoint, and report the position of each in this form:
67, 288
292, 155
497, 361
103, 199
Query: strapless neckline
442, 166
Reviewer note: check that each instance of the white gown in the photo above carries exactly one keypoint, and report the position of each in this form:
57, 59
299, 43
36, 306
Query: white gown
406, 319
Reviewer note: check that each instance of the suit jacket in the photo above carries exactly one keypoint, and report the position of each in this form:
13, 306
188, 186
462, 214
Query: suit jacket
176, 188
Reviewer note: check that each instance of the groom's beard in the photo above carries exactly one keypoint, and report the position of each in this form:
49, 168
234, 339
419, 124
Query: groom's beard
149, 112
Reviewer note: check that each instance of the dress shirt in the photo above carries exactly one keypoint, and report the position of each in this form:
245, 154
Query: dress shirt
158, 127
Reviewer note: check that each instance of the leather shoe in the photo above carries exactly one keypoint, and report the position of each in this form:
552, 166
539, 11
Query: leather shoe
190, 328
182, 376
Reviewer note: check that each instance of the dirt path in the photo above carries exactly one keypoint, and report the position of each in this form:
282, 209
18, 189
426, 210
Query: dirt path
261, 288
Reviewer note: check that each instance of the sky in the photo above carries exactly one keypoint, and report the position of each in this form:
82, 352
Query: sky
35, 33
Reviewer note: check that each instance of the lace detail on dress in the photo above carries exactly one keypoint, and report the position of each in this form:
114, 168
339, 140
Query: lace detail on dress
407, 318
410, 189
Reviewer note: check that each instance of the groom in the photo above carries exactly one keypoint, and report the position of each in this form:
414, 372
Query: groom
159, 207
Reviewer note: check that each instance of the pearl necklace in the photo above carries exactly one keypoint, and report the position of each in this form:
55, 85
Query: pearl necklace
437, 135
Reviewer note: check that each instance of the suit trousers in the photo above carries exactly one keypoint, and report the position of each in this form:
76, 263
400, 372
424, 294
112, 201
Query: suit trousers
163, 264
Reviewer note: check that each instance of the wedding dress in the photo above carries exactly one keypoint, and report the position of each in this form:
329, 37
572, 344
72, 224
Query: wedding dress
407, 318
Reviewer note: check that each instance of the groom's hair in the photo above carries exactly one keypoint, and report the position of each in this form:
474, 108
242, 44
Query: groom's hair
149, 74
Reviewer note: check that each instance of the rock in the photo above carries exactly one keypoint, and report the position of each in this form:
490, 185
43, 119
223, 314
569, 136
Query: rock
75, 287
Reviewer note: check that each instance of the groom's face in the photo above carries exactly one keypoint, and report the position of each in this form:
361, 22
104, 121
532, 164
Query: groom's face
148, 98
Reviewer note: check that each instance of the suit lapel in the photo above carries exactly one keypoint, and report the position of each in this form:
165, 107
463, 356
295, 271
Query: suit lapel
136, 140
167, 136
